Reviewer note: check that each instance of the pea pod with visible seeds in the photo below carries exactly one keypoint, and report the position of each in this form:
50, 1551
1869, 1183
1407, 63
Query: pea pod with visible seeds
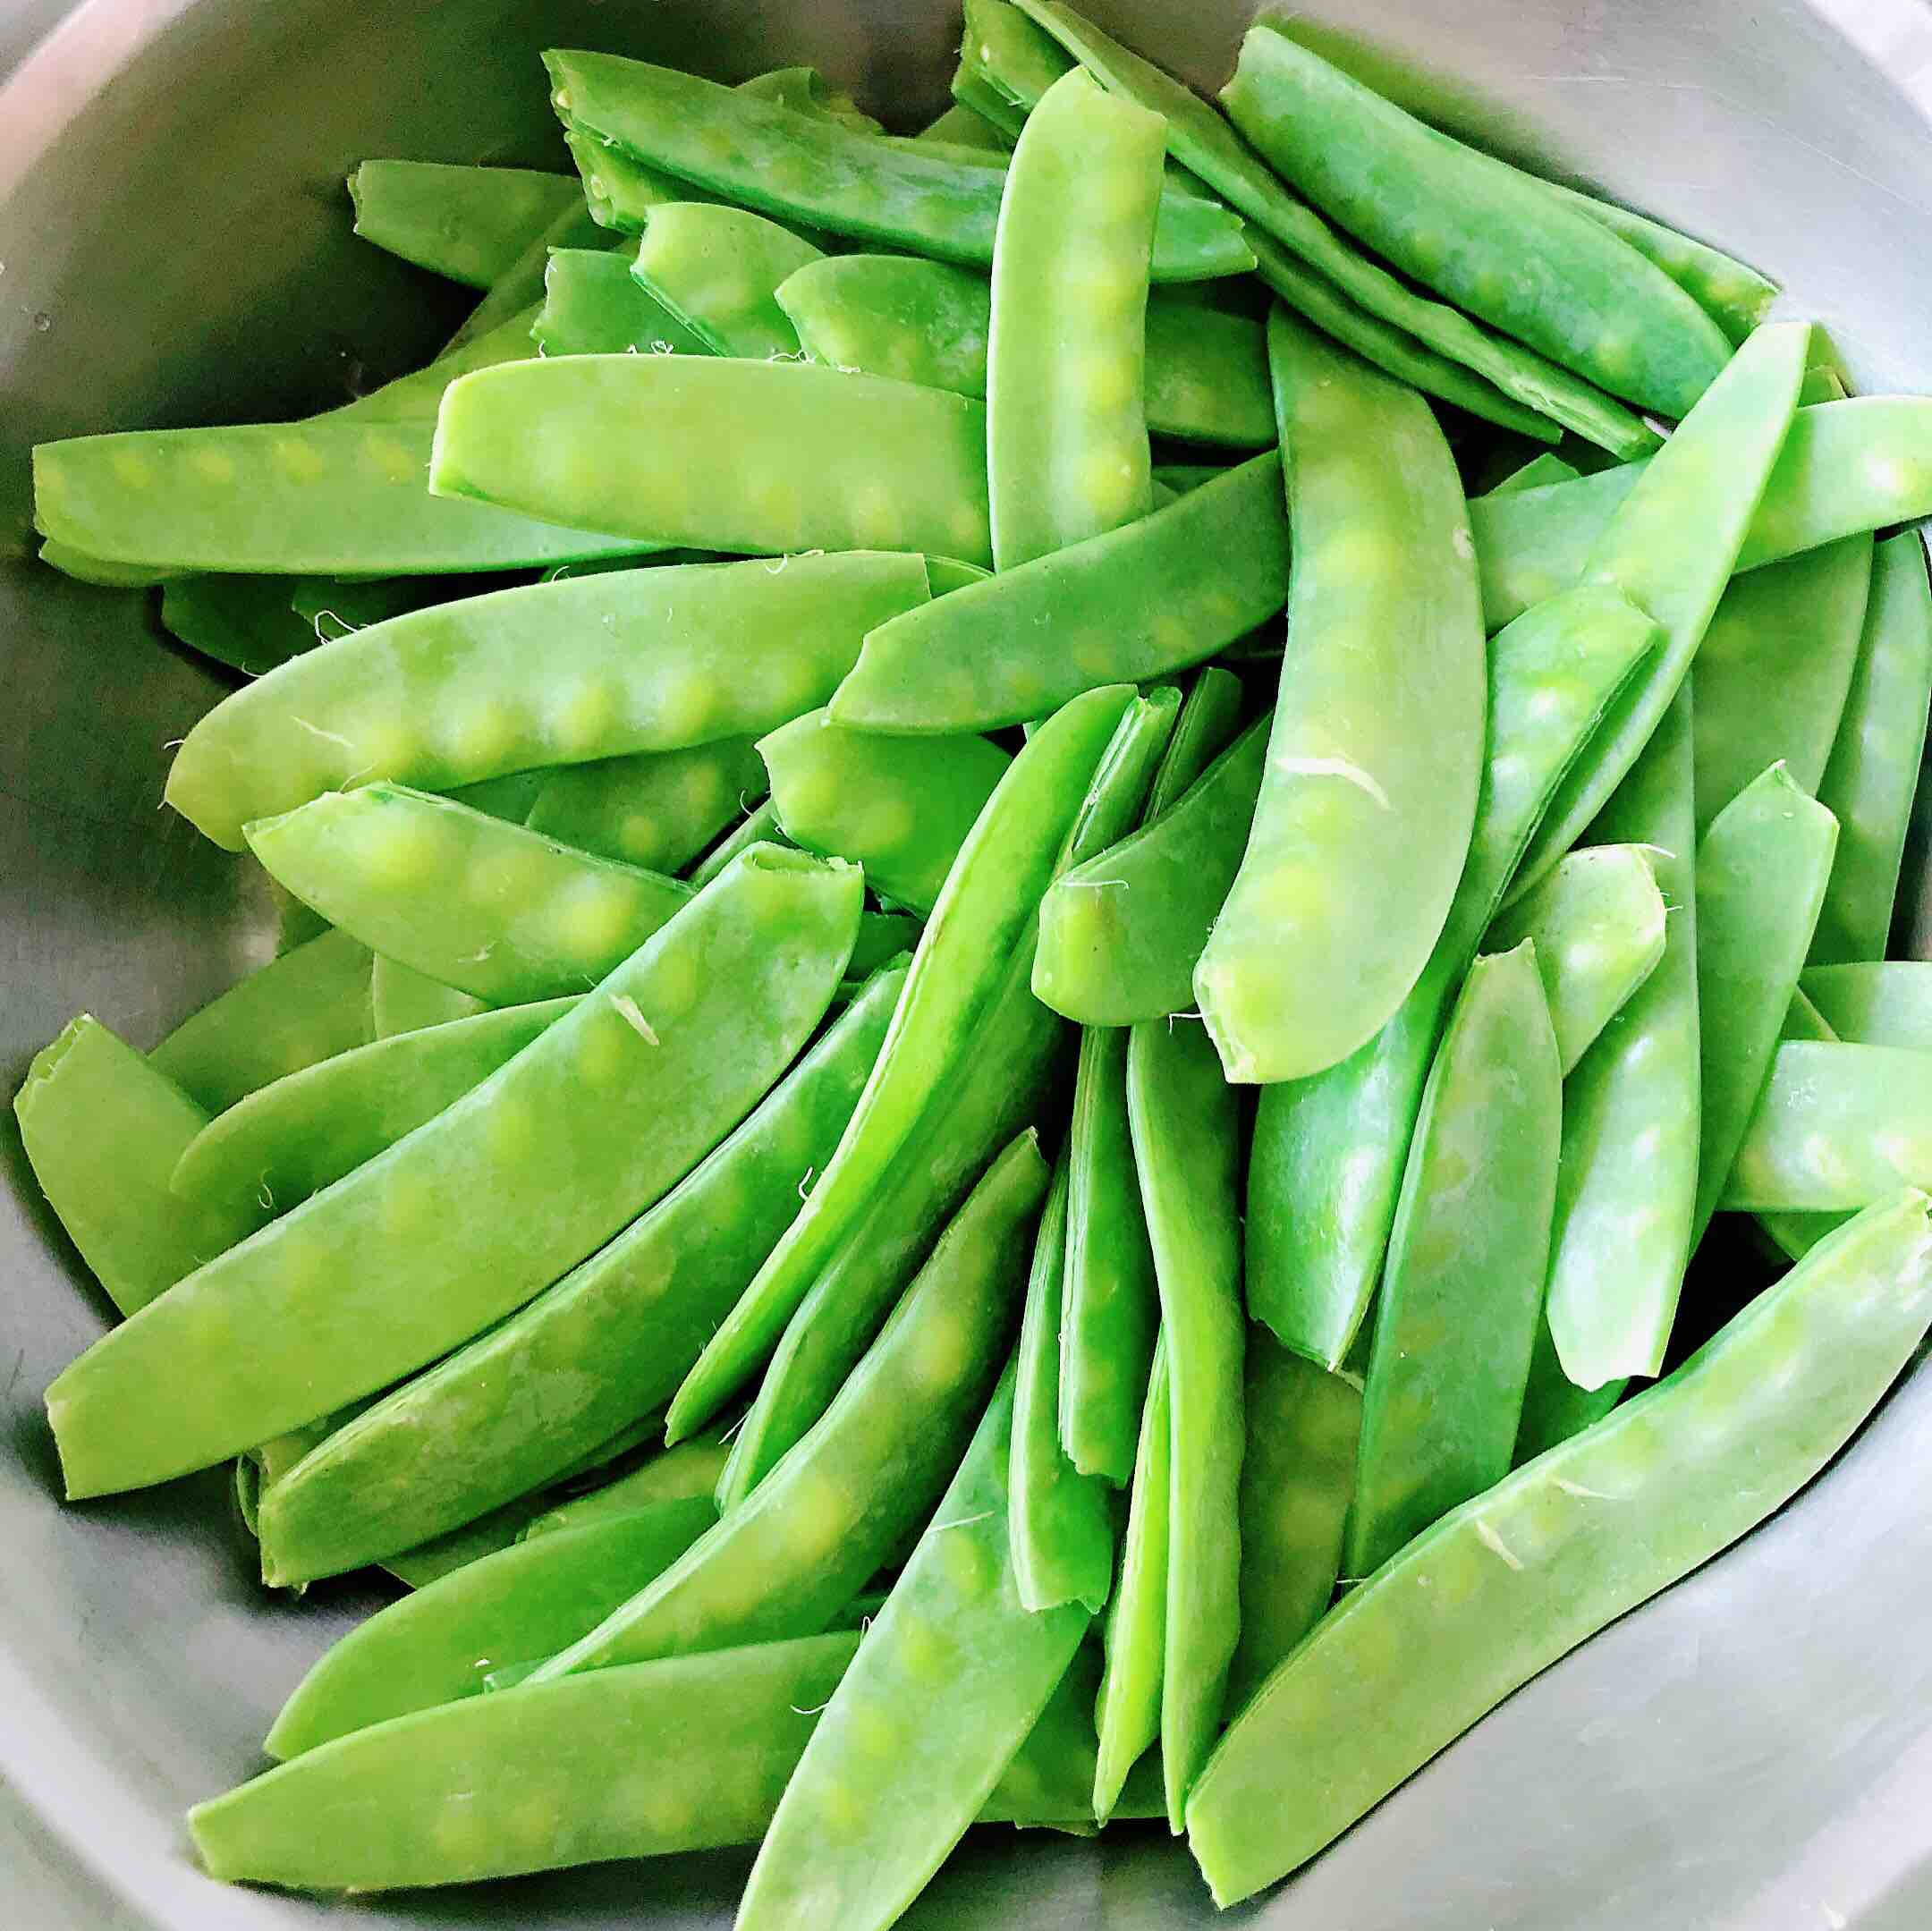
717, 270
658, 809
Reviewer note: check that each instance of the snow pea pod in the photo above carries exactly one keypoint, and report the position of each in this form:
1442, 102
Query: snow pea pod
243, 621
1872, 773
679, 1474
520, 287
404, 1000
910, 194
658, 809
1883, 1003
605, 1344
759, 827
1003, 49
99, 570
819, 461
558, 673
1377, 751
470, 224
1548, 468
1463, 1288
805, 90
717, 270
551, 1155
1186, 1143
989, 901
1137, 603
855, 794
1516, 1579
959, 127
593, 305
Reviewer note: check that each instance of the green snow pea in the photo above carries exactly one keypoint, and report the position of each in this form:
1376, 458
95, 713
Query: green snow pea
509, 797
309, 1004
818, 460
1554, 1408
717, 269
959, 127
679, 1474
551, 1156
558, 673
605, 1344
99, 570
1873, 772
268, 1152
618, 188
419, 1567
333, 606
404, 1000
1516, 1579
1598, 926
855, 794
989, 901
788, 1558
945, 1687
909, 193
980, 97
1774, 668
759, 827
1137, 603
1003, 49
1186, 1144
659, 809
805, 90
593, 305
103, 1128
241, 620
1377, 751
1548, 468
520, 287
1884, 1002
470, 224
1463, 1289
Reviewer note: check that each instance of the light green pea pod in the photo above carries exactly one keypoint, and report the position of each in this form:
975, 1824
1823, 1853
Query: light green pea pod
857, 794
980, 97
946, 1685
717, 270
819, 461
989, 901
101, 572
430, 1561
1297, 1481
1135, 604
1885, 1003
1516, 1579
1774, 669
786, 1560
959, 127
682, 1474
1821, 385
1872, 775
103, 1129
1795, 1234
1377, 751
309, 1004
804, 89
241, 620
509, 797
1463, 1289
618, 188
1001, 48
1186, 1143
267, 1153
759, 827
1548, 468
593, 305
1761, 873
470, 224
551, 1156
658, 809
1597, 922
404, 1000
907, 193
1061, 1520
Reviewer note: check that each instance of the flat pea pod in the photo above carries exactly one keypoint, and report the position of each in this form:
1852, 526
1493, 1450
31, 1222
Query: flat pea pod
309, 1004
946, 1685
1513, 1581
805, 90
430, 1561
788, 1558
1548, 468
603, 1345
1774, 670
819, 459
1186, 1143
551, 1155
551, 673
959, 127
103, 1129
758, 827
682, 1474
1463, 1289
973, 92
528, 1600
404, 1000
289, 1139
1138, 603
99, 570
658, 809
1001, 47
1872, 773
989, 901
243, 621
520, 287
1597, 922
910, 194
618, 189
1554, 1408
1883, 1003
717, 270
593, 305
1377, 751
469, 224
855, 794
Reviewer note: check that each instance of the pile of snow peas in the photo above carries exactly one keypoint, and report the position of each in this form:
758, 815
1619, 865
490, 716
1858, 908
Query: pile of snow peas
1044, 876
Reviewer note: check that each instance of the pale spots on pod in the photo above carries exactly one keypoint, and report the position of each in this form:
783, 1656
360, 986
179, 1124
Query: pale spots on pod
1106, 382
818, 1515
603, 1051
885, 823
964, 1561
685, 699
875, 517
674, 988
969, 525
925, 1654
132, 469
637, 836
477, 738
593, 917
506, 1126
391, 460
213, 465
843, 1813
507, 871
538, 1819
301, 461
943, 1352
583, 716
1110, 483
384, 746
401, 850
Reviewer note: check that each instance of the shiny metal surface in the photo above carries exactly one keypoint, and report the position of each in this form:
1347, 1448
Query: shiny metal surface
1752, 1751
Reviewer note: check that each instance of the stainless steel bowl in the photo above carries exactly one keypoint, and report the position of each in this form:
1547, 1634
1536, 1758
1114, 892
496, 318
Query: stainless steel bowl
1752, 1751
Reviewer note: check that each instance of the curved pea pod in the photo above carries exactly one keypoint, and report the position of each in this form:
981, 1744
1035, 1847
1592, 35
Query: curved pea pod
989, 901
101, 572
1138, 603
605, 1344
1872, 773
717, 270
430, 1561
686, 1473
550, 1157
1186, 1143
404, 1000
764, 155
103, 1129
269, 1152
1513, 1581
1463, 1289
857, 794
1298, 1480
309, 1004
470, 224
243, 621
1883, 1003
658, 809
1597, 922
1377, 751
593, 305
